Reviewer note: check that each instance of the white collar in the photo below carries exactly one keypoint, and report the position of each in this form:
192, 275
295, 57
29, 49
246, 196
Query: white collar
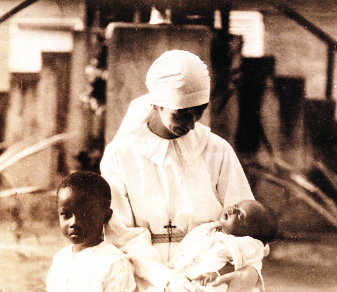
155, 148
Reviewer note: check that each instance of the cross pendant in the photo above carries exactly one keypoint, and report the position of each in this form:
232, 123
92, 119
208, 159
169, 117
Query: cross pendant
169, 229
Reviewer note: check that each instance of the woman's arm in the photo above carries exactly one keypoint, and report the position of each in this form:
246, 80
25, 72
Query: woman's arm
121, 229
243, 280
211, 276
180, 283
232, 183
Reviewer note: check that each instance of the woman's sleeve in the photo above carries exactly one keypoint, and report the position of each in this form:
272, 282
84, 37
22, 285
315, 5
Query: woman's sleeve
121, 230
232, 185
252, 252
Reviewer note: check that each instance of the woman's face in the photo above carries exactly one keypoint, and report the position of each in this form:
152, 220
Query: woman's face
177, 123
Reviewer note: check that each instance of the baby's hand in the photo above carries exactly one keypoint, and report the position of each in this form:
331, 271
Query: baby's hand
207, 278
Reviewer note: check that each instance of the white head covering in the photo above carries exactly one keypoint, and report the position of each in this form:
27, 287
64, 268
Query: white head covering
178, 79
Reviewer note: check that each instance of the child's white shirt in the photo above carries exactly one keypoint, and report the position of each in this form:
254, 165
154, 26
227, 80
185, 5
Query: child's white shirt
100, 268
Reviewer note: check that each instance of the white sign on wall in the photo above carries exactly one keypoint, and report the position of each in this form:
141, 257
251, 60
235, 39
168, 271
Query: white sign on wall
30, 37
249, 25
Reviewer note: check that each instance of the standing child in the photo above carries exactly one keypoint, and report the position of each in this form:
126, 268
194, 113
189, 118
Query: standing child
238, 239
90, 264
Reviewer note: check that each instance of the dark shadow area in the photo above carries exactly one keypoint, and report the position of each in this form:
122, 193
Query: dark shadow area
250, 132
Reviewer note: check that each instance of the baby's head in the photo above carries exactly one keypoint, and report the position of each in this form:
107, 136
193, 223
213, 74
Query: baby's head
84, 207
249, 218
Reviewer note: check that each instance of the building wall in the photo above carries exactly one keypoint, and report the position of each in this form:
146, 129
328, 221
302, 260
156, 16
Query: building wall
4, 50
38, 71
42, 8
297, 52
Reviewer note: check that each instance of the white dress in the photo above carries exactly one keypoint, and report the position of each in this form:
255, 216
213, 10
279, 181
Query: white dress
215, 249
199, 171
102, 268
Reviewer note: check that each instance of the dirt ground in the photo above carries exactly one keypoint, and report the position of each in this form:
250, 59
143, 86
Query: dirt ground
292, 266
302, 266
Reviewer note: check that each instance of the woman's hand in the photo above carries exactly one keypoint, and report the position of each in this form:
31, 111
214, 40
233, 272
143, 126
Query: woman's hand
243, 280
179, 283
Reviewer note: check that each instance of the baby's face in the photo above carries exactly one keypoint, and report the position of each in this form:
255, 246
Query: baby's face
235, 219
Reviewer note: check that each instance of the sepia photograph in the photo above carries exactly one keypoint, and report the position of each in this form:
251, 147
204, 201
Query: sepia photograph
168, 146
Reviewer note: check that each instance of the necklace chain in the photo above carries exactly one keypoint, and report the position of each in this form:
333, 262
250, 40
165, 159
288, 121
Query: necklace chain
168, 198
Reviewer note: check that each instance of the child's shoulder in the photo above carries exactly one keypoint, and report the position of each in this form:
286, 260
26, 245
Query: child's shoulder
103, 250
106, 255
105, 246
64, 253
106, 249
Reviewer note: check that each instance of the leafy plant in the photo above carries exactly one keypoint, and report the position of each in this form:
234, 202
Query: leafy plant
299, 184
23, 149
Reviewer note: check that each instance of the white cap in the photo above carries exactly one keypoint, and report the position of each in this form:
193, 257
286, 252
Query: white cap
178, 79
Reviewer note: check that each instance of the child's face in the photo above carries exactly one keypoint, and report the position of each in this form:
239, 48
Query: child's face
235, 219
81, 219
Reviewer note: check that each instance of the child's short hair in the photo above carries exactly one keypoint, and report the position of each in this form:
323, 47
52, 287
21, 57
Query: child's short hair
90, 182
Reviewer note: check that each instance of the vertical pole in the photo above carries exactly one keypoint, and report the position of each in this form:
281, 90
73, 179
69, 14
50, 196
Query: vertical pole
330, 71
225, 11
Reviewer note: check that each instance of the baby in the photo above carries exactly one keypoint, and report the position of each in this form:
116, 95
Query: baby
237, 240
89, 263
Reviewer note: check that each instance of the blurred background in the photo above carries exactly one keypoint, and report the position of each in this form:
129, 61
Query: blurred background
69, 70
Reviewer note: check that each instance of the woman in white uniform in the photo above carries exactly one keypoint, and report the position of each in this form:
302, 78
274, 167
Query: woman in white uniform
168, 174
